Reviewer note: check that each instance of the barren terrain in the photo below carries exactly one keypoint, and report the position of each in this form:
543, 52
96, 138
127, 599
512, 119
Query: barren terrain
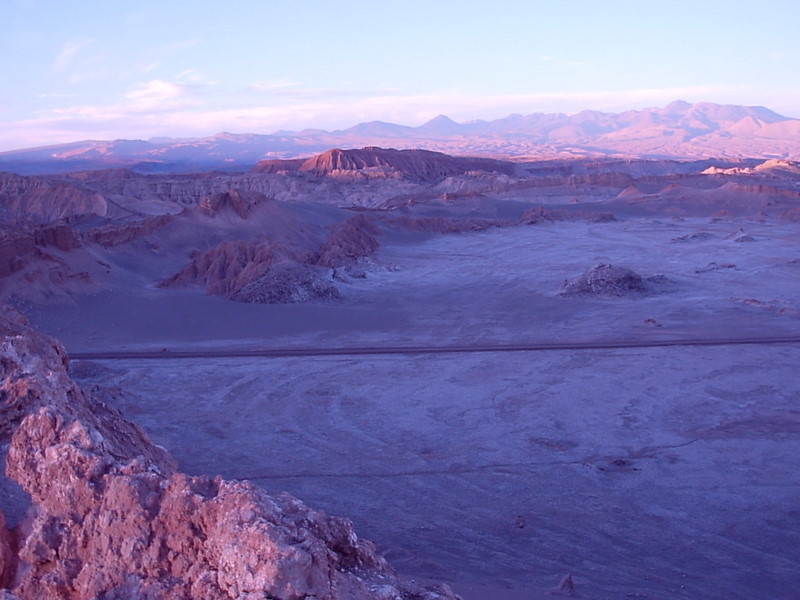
679, 130
644, 472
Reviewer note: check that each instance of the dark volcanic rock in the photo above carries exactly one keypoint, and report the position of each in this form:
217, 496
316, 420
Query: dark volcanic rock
605, 280
287, 282
540, 214
112, 518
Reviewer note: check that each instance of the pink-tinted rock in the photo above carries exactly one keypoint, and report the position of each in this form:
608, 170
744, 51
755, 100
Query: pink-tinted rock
256, 272
113, 235
414, 165
226, 268
239, 202
8, 557
349, 240
113, 519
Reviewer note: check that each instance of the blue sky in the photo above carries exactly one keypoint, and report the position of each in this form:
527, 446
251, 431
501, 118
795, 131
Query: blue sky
108, 69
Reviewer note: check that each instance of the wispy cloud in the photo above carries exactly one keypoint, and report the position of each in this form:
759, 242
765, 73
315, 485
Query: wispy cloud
180, 45
56, 95
69, 51
274, 86
155, 90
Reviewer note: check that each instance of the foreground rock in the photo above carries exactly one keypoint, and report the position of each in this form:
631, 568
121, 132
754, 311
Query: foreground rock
111, 517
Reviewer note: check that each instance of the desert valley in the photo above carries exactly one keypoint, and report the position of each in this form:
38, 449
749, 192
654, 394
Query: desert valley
535, 357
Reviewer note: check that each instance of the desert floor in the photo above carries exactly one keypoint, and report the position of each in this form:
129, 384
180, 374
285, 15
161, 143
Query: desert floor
652, 473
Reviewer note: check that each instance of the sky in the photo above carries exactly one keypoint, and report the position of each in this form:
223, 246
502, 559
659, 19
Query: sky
125, 69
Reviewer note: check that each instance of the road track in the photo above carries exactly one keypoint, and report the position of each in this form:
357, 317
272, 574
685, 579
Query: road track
456, 349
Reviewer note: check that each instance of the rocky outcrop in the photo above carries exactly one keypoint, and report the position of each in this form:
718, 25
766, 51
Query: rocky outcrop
40, 200
239, 202
257, 272
113, 235
414, 165
352, 239
30, 249
540, 214
226, 268
287, 282
265, 272
112, 518
605, 280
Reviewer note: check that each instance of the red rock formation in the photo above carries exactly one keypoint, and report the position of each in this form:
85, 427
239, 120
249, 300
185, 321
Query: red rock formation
37, 199
112, 518
224, 269
349, 240
415, 165
28, 248
8, 556
14, 248
240, 202
113, 235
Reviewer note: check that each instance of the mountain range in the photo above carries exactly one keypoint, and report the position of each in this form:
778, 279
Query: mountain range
679, 130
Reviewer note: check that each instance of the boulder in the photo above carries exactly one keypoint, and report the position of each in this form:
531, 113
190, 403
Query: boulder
605, 280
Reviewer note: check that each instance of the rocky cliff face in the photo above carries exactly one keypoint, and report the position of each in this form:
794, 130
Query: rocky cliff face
415, 165
111, 517
40, 200
31, 255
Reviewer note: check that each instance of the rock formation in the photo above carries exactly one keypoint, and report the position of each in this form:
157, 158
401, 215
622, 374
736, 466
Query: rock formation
287, 282
257, 272
41, 200
226, 268
240, 202
605, 280
267, 272
415, 165
349, 240
539, 214
111, 517
32, 254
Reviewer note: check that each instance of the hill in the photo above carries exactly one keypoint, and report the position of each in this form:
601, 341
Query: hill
679, 130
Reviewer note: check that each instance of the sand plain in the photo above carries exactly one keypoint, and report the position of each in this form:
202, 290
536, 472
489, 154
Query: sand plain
643, 472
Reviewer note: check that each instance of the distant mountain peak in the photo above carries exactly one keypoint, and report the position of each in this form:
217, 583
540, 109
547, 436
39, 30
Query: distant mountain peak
680, 130
440, 121
676, 106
